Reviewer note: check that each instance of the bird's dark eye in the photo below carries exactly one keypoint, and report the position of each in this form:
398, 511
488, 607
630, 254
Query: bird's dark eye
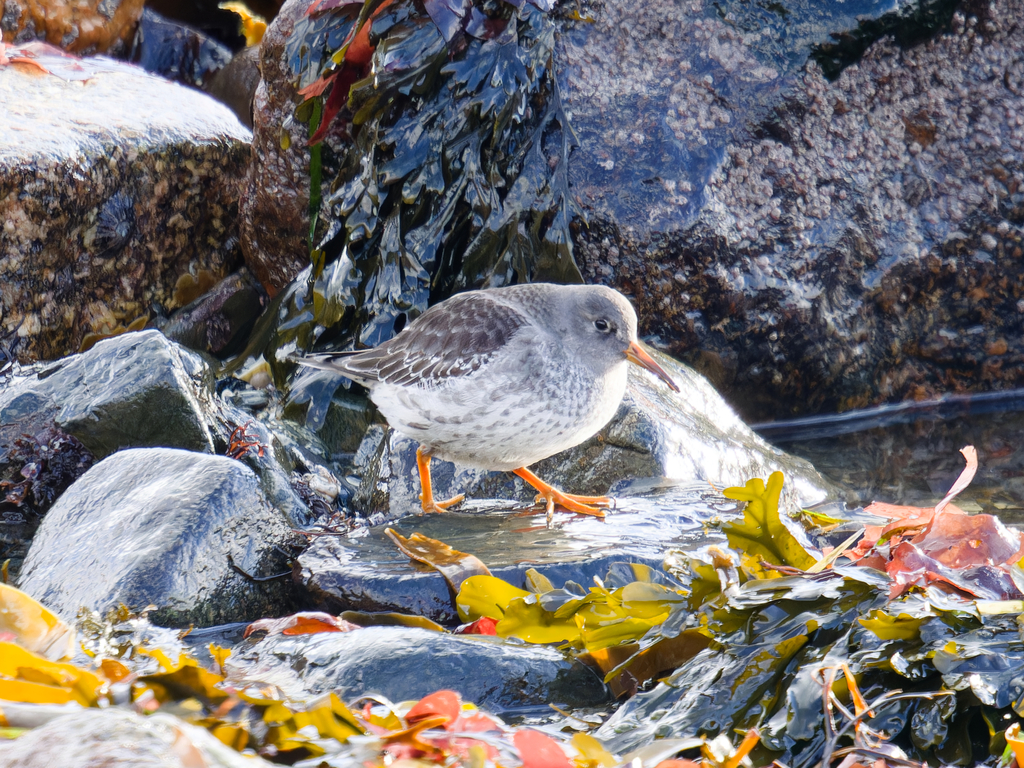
602, 325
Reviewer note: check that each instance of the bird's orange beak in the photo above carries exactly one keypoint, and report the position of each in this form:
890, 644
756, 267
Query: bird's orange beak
636, 355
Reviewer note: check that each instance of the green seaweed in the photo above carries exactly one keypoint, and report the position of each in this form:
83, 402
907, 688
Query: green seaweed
456, 175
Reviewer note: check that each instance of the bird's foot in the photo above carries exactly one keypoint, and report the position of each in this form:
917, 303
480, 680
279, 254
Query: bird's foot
429, 505
584, 505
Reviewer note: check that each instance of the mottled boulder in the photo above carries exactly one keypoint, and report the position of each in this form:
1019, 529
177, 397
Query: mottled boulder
118, 191
82, 27
405, 663
847, 242
162, 527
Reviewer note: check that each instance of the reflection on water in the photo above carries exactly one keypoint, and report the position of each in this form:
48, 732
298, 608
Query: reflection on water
505, 534
910, 454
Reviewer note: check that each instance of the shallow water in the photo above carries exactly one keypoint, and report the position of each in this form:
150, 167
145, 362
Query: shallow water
910, 454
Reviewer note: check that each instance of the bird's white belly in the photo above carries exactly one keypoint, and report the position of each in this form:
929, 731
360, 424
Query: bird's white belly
518, 424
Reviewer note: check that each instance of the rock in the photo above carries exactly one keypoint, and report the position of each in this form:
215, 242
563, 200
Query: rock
274, 207
100, 738
83, 27
271, 455
235, 85
688, 436
851, 242
106, 210
161, 527
346, 421
406, 663
364, 571
142, 390
132, 391
220, 320
180, 53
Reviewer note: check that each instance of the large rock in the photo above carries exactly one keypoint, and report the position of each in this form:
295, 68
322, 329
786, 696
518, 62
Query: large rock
405, 663
118, 193
274, 209
844, 243
167, 528
365, 571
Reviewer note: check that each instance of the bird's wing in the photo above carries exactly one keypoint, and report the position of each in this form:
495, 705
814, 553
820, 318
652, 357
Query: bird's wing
451, 339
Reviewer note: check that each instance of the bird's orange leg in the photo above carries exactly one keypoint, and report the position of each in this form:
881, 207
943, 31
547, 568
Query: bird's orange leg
427, 496
585, 505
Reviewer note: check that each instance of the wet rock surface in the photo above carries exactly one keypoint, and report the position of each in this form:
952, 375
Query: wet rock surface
235, 85
96, 738
134, 390
166, 528
406, 663
173, 50
83, 27
366, 572
219, 321
692, 435
857, 243
107, 209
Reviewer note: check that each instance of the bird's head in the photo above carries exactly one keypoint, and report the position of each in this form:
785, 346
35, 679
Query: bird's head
602, 328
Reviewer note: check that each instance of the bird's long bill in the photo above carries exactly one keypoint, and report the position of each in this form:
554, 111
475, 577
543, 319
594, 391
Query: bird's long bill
636, 355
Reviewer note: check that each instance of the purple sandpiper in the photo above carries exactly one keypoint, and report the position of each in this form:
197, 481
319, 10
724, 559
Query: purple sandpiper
501, 378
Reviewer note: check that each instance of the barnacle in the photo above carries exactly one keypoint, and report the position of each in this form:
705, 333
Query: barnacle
115, 224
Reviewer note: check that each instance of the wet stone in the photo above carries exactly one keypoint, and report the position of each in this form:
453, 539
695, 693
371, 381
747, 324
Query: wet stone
114, 186
219, 321
365, 571
235, 85
405, 663
162, 527
131, 391
83, 27
176, 51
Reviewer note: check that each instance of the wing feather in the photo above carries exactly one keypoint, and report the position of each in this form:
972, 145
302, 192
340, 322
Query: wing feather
451, 339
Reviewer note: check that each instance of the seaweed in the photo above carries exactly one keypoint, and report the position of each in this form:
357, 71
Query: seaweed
456, 176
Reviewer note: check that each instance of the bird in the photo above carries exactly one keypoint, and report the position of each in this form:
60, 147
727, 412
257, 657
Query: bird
501, 378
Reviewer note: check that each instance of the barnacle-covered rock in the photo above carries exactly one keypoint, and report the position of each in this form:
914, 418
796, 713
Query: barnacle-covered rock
847, 242
82, 27
114, 184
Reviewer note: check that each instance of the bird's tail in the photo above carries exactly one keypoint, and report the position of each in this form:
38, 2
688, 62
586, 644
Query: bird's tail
324, 361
